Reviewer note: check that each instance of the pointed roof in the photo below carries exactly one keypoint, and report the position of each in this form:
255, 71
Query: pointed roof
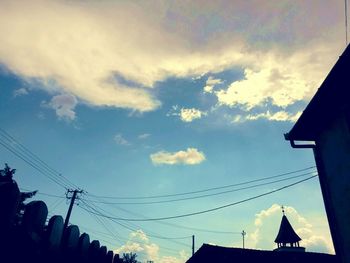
330, 100
286, 234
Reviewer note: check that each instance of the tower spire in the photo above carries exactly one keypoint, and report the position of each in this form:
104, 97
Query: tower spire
287, 239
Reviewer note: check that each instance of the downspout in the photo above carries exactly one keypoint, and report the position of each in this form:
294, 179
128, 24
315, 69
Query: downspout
325, 191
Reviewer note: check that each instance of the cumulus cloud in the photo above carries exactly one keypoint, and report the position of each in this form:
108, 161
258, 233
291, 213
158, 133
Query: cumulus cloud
188, 115
20, 92
119, 139
282, 80
64, 106
210, 84
140, 244
99, 53
267, 223
189, 157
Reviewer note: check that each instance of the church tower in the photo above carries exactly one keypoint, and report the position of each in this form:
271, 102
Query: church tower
287, 239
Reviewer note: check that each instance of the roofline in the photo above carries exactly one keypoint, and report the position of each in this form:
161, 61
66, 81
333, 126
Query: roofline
324, 105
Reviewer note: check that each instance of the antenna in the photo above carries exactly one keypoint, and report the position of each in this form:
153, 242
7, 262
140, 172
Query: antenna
346, 22
243, 234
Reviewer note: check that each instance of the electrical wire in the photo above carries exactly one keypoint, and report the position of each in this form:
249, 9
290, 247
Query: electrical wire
204, 190
133, 229
23, 158
21, 151
203, 196
45, 194
140, 241
203, 211
200, 229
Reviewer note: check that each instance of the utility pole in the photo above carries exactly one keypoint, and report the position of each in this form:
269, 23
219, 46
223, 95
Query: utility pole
72, 200
192, 245
243, 234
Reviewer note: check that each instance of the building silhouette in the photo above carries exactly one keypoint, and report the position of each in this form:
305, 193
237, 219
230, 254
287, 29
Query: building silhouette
288, 251
287, 239
324, 127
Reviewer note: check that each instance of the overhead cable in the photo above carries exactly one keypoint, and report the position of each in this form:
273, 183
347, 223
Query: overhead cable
203, 211
203, 190
202, 196
18, 147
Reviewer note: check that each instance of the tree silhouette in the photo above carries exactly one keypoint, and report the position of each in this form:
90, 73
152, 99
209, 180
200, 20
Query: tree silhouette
129, 258
6, 174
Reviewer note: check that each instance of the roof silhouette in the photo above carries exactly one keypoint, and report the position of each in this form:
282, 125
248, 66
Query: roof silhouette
211, 253
329, 101
286, 234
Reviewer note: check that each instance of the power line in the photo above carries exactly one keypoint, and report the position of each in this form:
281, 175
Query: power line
159, 222
57, 204
45, 194
204, 190
172, 239
23, 158
34, 158
172, 224
202, 196
133, 230
203, 211
199, 229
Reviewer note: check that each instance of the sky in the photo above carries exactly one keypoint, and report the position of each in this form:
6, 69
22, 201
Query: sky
132, 100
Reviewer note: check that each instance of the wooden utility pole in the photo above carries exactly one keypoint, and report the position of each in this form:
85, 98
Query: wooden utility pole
192, 245
243, 235
72, 200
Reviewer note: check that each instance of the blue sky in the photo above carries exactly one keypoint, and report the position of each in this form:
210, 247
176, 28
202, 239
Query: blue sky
186, 97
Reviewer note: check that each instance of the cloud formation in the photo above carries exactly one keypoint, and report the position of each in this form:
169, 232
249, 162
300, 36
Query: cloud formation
64, 106
282, 80
189, 157
20, 92
140, 244
276, 116
210, 84
119, 139
143, 136
99, 53
267, 223
188, 115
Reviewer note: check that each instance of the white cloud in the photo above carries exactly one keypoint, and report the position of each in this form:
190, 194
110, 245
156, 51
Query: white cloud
64, 106
143, 136
189, 157
277, 116
267, 223
282, 80
20, 92
140, 244
119, 139
285, 52
188, 115
139, 234
210, 83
